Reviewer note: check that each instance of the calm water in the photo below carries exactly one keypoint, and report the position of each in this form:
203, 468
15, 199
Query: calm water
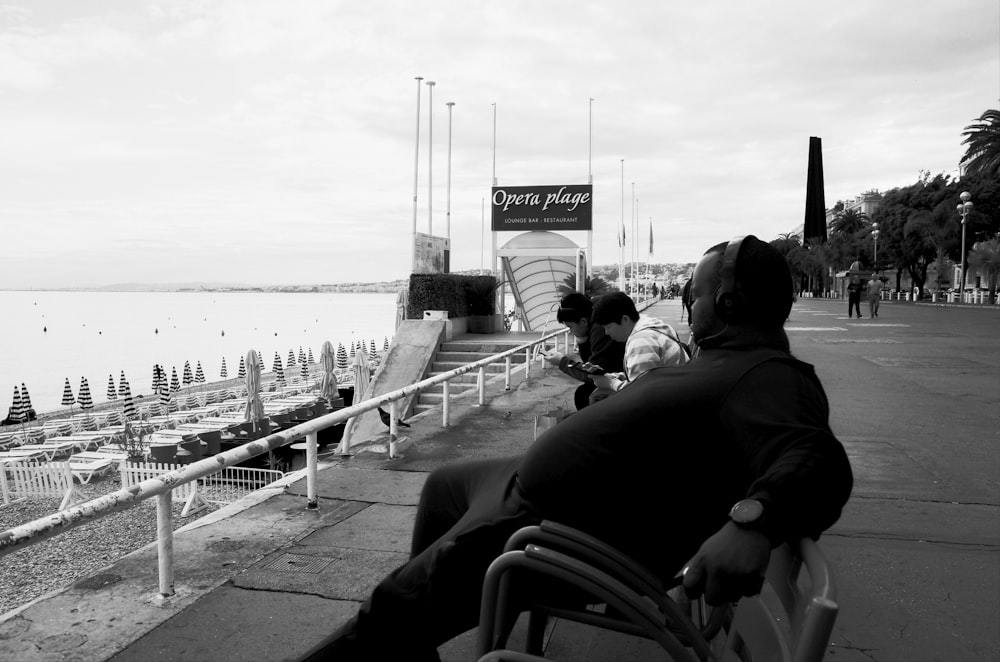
46, 337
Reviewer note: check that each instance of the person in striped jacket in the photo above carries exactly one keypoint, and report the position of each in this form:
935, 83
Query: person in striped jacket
649, 342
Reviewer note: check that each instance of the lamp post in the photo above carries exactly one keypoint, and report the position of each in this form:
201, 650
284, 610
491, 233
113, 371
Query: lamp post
875, 253
964, 208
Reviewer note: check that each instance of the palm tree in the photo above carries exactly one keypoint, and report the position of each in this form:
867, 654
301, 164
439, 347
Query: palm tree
593, 286
849, 222
985, 256
983, 139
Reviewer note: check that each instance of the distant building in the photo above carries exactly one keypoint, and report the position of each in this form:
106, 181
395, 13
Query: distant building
866, 204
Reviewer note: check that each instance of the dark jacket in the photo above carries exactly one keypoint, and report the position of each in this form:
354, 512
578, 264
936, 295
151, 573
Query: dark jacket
599, 349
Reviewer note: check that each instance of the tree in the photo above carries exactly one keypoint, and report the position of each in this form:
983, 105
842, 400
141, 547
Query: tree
593, 286
985, 257
982, 156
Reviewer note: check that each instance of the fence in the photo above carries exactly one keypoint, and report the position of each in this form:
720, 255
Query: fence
27, 480
226, 486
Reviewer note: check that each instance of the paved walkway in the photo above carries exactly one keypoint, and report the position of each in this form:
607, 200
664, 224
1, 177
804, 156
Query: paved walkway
913, 396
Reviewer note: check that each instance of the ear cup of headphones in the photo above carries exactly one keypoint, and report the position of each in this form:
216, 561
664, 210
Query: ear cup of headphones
728, 302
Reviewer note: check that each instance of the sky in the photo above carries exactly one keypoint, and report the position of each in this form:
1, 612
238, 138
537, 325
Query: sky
274, 142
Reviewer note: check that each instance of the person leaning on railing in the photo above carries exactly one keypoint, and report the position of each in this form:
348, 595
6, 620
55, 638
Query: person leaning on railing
697, 469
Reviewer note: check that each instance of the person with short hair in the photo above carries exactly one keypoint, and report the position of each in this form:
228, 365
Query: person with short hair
649, 342
598, 351
742, 432
874, 295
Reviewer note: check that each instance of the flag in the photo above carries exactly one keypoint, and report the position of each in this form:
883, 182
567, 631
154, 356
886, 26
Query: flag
650, 236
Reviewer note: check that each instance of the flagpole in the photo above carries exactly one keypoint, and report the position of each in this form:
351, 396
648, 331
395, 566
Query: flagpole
621, 242
416, 169
631, 222
590, 145
430, 157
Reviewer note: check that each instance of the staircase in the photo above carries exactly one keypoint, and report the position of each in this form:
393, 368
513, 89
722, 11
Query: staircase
457, 353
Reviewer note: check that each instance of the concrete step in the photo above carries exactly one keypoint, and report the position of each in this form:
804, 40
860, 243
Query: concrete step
493, 347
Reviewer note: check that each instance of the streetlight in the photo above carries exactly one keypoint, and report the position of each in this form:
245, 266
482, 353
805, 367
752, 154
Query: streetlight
875, 255
963, 210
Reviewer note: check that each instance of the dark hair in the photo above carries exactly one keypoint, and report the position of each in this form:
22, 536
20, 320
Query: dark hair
763, 280
611, 307
574, 307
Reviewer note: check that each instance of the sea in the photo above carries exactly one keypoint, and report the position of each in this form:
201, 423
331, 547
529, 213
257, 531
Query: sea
47, 337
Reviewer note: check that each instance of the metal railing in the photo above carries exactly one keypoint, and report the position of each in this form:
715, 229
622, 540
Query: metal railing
161, 486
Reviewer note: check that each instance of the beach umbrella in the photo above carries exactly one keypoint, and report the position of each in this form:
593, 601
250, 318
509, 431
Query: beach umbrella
291, 359
342, 362
112, 391
122, 383
242, 371
302, 355
279, 372
255, 408
26, 401
328, 359
304, 370
224, 373
354, 351
362, 376
311, 359
17, 412
84, 397
385, 345
128, 408
175, 384
156, 378
260, 361
187, 374
199, 374
164, 392
371, 349
67, 397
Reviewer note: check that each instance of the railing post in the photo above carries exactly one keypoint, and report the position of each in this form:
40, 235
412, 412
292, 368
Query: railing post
444, 405
482, 385
506, 373
394, 428
312, 460
165, 543
527, 363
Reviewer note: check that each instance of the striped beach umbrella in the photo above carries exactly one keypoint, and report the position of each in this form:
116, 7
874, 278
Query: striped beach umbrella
17, 411
122, 383
157, 376
342, 361
260, 361
291, 359
223, 372
279, 372
128, 406
26, 400
67, 397
385, 345
175, 384
163, 392
311, 359
304, 370
371, 349
84, 397
354, 351
241, 372
302, 355
112, 391
199, 374
187, 378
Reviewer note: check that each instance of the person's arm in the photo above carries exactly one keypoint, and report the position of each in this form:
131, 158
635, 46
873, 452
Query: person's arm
778, 416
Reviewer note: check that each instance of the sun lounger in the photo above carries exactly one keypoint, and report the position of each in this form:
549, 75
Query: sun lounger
52, 449
84, 470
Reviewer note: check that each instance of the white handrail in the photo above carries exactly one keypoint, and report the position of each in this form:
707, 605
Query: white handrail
54, 524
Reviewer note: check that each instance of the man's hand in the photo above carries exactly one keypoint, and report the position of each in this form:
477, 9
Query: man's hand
729, 565
553, 357
602, 382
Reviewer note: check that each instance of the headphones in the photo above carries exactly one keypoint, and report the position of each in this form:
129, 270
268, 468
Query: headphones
728, 301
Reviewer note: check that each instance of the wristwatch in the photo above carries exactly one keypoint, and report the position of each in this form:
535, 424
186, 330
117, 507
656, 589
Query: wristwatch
748, 513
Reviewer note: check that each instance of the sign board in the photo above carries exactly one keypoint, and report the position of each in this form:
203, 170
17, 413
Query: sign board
534, 208
430, 254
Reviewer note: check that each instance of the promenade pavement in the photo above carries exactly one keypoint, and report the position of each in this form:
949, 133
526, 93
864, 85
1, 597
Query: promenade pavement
913, 397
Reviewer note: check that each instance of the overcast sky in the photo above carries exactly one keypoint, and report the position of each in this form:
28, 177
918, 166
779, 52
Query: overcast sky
264, 141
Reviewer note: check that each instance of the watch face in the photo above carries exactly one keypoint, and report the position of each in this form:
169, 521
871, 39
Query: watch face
746, 511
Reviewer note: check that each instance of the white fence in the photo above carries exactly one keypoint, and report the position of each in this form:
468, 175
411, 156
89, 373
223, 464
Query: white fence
28, 480
226, 486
